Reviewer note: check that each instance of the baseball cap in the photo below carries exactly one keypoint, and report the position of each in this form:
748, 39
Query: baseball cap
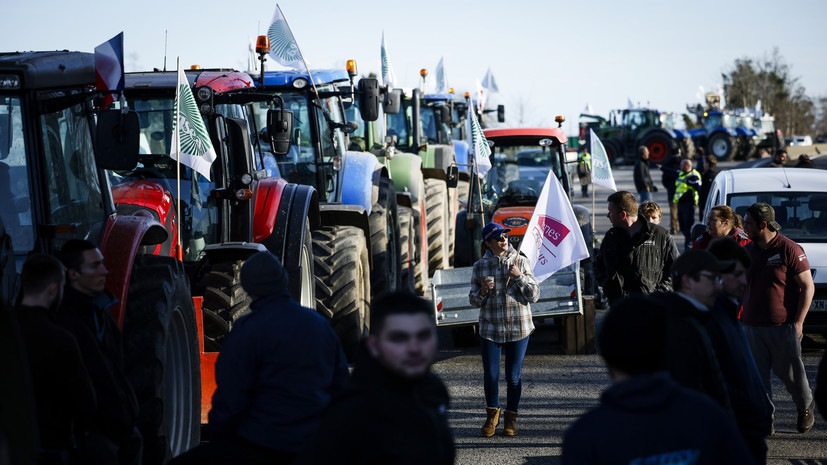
694, 260
493, 230
762, 211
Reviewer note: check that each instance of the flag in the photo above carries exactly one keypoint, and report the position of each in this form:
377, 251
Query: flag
481, 96
553, 239
478, 144
252, 57
388, 77
489, 83
109, 67
588, 109
191, 143
601, 169
441, 86
283, 46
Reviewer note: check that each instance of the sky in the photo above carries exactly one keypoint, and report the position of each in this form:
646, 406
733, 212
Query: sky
549, 57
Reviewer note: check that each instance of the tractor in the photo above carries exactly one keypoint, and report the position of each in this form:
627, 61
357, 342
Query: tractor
55, 145
628, 129
357, 245
217, 223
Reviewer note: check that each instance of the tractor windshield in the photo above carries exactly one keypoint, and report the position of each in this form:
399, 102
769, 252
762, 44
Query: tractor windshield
432, 126
199, 212
15, 204
398, 125
717, 120
517, 175
300, 164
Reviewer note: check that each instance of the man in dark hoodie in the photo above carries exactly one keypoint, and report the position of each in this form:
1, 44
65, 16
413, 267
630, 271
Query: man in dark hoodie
395, 409
278, 370
646, 417
113, 437
750, 403
62, 387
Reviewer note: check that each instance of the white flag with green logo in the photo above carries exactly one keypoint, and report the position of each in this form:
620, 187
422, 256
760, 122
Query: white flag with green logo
388, 77
441, 84
191, 143
601, 169
283, 46
478, 144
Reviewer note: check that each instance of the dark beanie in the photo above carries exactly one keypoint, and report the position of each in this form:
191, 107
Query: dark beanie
263, 274
632, 337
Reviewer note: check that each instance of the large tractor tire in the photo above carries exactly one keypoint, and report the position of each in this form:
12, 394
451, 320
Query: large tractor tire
384, 240
343, 283
659, 145
407, 250
436, 215
308, 279
721, 145
225, 301
746, 148
420, 262
614, 152
161, 357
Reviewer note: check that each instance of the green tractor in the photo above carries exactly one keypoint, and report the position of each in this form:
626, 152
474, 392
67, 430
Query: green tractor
628, 129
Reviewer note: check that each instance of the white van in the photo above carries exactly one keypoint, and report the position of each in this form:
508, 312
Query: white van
799, 198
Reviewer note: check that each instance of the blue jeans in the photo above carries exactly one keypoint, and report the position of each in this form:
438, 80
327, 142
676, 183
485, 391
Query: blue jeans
514, 356
645, 195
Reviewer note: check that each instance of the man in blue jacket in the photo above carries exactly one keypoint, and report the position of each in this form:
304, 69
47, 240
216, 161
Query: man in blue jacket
279, 368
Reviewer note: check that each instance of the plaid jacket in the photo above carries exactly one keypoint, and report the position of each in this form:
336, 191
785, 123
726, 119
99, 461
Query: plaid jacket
505, 314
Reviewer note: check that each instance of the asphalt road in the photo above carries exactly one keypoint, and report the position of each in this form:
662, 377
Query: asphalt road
557, 389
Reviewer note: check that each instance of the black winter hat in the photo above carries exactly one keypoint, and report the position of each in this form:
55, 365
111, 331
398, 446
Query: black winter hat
262, 274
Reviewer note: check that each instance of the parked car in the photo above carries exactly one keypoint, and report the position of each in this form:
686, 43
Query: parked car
800, 140
800, 202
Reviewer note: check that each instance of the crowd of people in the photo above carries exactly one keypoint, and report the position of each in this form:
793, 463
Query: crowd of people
691, 340
728, 312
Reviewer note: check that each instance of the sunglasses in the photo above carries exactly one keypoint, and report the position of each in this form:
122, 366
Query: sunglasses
501, 237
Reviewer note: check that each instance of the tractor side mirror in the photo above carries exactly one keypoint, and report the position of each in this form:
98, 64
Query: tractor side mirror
393, 102
280, 127
116, 140
445, 114
452, 176
501, 113
369, 98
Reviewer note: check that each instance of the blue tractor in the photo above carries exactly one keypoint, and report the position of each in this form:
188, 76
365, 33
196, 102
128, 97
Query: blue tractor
356, 249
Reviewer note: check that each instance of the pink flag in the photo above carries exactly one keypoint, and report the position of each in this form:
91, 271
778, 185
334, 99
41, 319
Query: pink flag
109, 67
553, 239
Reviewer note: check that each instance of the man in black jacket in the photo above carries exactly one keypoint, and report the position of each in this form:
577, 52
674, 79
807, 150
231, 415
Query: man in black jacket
643, 180
63, 390
750, 403
395, 409
635, 255
711, 170
644, 416
690, 357
113, 436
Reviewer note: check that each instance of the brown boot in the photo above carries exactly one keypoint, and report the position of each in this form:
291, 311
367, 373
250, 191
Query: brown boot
491, 421
510, 428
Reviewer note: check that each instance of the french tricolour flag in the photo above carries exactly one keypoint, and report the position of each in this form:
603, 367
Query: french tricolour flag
109, 67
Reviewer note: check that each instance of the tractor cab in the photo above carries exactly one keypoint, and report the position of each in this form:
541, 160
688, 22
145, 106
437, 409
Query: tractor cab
520, 162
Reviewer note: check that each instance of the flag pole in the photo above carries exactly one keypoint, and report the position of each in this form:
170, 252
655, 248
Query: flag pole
179, 248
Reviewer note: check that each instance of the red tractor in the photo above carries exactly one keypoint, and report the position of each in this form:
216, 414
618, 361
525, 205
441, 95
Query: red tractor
54, 147
225, 219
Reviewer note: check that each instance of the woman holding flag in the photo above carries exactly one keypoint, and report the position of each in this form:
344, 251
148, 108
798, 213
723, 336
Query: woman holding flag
503, 285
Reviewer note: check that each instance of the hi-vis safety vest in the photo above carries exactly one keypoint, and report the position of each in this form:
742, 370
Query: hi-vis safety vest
685, 183
586, 158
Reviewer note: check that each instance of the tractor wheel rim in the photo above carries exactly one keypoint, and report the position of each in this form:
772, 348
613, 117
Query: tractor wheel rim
657, 150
